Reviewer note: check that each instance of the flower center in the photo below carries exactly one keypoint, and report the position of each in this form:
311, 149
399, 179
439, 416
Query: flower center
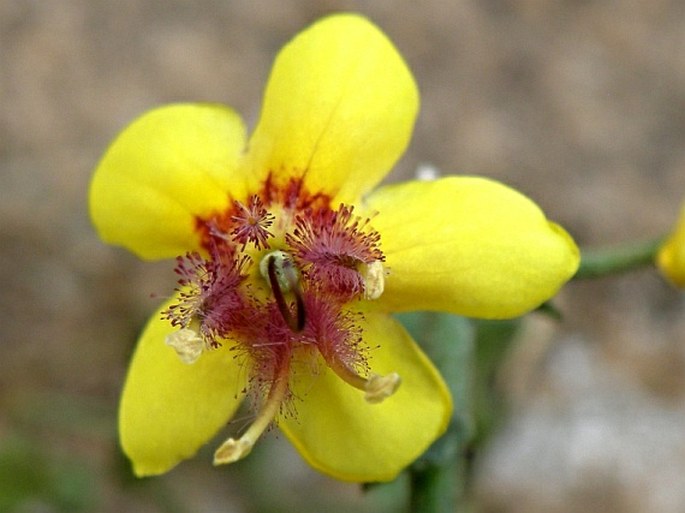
280, 276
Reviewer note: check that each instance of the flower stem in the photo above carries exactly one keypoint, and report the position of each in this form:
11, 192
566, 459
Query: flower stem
438, 478
607, 261
433, 487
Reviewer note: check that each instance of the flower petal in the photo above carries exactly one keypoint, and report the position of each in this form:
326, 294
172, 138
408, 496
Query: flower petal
168, 408
169, 166
671, 257
469, 246
341, 434
340, 106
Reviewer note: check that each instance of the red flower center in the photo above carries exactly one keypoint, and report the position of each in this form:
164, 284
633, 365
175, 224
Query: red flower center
313, 261
279, 277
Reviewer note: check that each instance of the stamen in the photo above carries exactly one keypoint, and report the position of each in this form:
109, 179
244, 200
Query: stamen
252, 223
282, 277
377, 388
374, 279
233, 450
187, 343
330, 246
208, 292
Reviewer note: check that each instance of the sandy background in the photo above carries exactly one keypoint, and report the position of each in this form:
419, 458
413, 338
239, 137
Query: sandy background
579, 104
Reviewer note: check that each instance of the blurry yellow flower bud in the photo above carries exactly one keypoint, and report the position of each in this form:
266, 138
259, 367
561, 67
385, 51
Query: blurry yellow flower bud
671, 257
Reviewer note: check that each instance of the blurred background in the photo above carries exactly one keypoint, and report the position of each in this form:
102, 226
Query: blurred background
579, 104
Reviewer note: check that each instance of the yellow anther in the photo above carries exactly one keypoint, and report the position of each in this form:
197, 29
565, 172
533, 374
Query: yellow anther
374, 279
378, 388
232, 450
187, 343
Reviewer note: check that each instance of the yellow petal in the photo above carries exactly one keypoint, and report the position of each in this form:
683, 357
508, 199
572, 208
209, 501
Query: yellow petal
671, 257
341, 434
169, 409
470, 246
170, 165
340, 105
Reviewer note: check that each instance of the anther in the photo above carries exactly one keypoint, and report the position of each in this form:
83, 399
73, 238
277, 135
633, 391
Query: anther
233, 450
279, 270
373, 275
187, 343
376, 388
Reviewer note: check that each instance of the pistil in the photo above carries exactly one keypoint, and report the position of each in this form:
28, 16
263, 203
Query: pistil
283, 277
233, 450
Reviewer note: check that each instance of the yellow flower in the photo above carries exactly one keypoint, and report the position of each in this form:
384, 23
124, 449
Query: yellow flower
671, 256
292, 260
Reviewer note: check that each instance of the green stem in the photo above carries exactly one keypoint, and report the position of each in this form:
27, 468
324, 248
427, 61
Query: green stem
438, 478
607, 261
435, 487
